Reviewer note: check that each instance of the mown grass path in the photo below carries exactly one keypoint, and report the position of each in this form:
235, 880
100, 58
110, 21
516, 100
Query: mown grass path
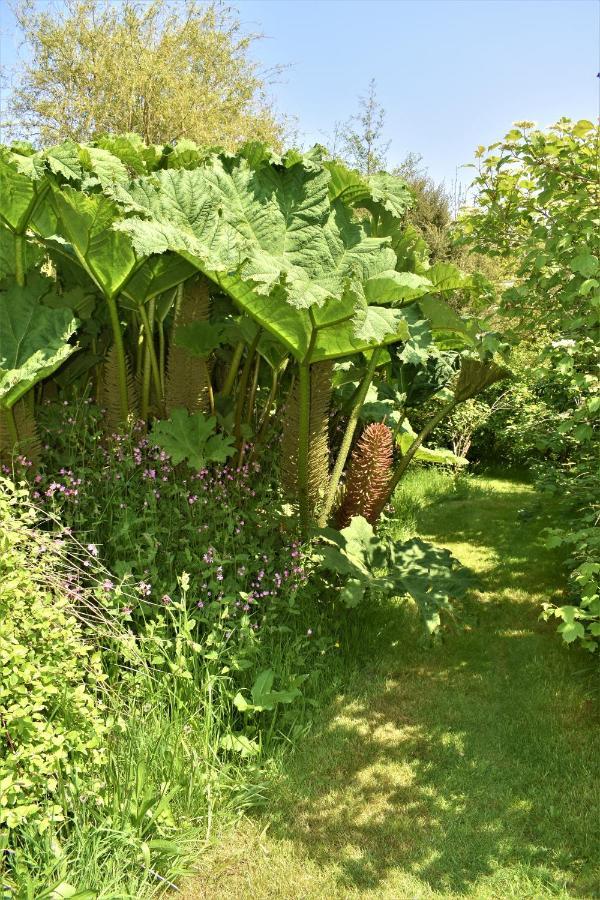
467, 770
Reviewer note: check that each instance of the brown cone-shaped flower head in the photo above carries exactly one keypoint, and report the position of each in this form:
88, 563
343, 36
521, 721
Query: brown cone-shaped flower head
368, 480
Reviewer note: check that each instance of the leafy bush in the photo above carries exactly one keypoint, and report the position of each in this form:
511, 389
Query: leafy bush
51, 709
580, 620
519, 420
536, 204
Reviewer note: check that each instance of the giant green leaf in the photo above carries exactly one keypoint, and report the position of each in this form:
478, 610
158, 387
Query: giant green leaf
269, 237
272, 238
259, 154
412, 254
370, 327
157, 274
64, 160
86, 222
476, 375
186, 154
447, 277
33, 253
177, 210
20, 194
34, 339
289, 325
443, 319
389, 193
139, 158
379, 193
393, 287
103, 168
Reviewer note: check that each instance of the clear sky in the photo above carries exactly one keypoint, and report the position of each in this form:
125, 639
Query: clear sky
451, 74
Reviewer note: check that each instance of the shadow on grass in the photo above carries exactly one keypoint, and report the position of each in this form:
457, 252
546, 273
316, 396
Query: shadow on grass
454, 762
449, 767
505, 527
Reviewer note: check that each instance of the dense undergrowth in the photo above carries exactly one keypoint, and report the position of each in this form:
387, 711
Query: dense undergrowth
207, 643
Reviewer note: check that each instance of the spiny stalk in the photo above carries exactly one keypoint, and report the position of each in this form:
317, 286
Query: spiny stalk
109, 389
317, 436
188, 377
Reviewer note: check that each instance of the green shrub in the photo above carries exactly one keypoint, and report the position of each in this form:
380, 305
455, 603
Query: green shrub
580, 619
51, 713
535, 204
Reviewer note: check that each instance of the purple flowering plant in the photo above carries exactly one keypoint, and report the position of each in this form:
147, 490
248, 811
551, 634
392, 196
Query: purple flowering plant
247, 572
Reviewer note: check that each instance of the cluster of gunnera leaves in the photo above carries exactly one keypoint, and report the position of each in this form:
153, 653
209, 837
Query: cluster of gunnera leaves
272, 238
277, 234
315, 262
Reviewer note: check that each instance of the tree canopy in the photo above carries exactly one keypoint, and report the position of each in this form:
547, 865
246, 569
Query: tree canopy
161, 70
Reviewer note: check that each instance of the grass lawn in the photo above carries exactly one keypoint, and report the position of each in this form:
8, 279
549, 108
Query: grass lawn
464, 770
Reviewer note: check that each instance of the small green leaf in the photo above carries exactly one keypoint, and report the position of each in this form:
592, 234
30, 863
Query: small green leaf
146, 855
582, 127
585, 263
240, 702
239, 743
200, 338
588, 286
263, 684
66, 891
571, 631
264, 697
192, 438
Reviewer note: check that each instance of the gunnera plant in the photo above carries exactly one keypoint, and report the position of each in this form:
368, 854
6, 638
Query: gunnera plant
369, 474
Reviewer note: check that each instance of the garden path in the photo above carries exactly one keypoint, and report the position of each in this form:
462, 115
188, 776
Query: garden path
466, 770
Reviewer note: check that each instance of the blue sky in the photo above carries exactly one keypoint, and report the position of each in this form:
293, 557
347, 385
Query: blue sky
451, 74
